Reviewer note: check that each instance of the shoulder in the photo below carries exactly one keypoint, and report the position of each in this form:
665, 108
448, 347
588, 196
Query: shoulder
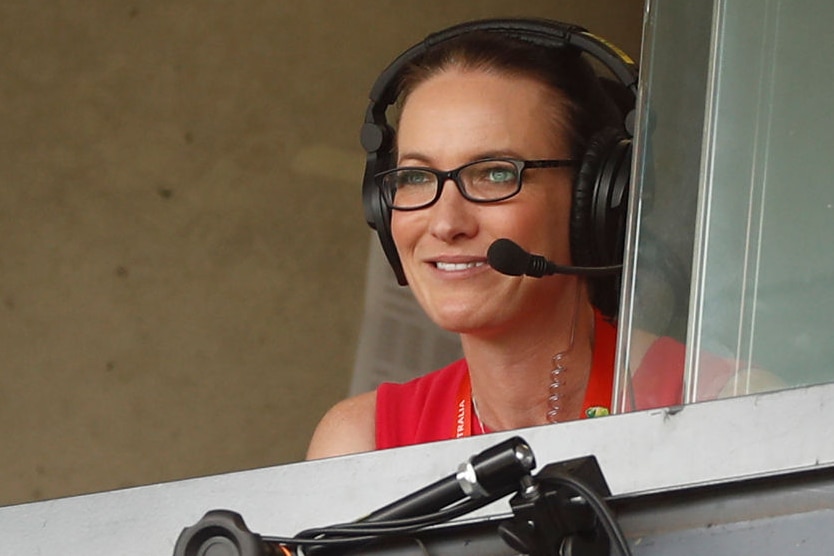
347, 428
421, 410
437, 380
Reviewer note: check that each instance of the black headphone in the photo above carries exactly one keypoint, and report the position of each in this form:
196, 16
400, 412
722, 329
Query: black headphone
600, 192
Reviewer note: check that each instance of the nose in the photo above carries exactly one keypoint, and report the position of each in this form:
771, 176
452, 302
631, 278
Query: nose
452, 216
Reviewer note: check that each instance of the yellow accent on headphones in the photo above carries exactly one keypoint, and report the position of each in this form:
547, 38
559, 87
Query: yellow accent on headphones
625, 57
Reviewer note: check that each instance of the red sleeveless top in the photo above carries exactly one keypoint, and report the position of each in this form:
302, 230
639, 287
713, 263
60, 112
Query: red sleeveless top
437, 406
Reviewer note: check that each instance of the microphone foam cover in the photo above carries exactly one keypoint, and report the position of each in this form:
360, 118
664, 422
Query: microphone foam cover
507, 257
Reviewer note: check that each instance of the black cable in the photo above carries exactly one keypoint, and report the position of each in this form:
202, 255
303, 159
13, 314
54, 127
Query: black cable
601, 509
359, 532
362, 532
295, 541
369, 528
394, 527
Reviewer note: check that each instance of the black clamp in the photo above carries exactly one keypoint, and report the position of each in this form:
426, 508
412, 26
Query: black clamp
552, 515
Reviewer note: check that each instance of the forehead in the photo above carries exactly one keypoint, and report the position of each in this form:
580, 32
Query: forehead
467, 113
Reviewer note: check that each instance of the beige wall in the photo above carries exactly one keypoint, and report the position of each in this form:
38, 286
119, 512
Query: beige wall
182, 249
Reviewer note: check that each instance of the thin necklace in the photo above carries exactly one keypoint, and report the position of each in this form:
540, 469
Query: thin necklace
557, 380
558, 369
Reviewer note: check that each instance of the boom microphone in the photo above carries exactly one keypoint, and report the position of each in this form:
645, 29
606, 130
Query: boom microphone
494, 472
507, 257
485, 477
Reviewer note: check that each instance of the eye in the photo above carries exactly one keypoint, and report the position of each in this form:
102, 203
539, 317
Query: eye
413, 177
492, 172
501, 174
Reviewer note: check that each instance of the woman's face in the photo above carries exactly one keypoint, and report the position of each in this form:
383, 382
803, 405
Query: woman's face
457, 117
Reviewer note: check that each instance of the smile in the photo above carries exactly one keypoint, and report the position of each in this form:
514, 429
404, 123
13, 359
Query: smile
450, 267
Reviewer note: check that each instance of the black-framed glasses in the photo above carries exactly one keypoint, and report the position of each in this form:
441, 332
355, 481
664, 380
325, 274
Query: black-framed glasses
482, 181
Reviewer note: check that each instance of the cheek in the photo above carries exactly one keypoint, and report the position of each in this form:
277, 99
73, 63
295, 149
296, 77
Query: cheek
546, 222
404, 230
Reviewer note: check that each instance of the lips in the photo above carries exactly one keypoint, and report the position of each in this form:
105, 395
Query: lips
452, 267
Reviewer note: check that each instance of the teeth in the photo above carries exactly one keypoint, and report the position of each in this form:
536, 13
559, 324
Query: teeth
457, 266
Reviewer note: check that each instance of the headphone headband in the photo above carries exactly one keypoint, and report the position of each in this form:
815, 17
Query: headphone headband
541, 32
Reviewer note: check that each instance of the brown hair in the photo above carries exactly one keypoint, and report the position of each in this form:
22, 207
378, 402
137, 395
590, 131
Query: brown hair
582, 106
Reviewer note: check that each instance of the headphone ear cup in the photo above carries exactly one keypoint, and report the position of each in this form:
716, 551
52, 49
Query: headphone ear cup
600, 198
382, 224
377, 140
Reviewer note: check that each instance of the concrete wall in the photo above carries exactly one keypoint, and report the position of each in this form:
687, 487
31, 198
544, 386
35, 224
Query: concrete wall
182, 248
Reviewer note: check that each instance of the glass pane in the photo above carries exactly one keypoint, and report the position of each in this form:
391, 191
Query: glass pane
673, 78
730, 289
768, 255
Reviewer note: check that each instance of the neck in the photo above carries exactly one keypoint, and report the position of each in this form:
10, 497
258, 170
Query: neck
512, 374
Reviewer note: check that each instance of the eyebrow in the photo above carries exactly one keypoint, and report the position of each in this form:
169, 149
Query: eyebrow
426, 160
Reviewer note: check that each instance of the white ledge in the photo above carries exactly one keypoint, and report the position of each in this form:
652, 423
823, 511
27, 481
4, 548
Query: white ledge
640, 452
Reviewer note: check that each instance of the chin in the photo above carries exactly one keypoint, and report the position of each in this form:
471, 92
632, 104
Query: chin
461, 320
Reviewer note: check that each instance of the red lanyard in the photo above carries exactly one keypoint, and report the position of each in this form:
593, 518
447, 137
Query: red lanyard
463, 409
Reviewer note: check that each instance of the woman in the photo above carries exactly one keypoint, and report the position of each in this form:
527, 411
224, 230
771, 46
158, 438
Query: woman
537, 351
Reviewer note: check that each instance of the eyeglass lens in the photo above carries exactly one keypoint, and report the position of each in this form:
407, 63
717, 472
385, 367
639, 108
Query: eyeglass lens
486, 180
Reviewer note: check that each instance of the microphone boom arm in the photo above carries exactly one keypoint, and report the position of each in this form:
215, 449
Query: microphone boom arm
507, 257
